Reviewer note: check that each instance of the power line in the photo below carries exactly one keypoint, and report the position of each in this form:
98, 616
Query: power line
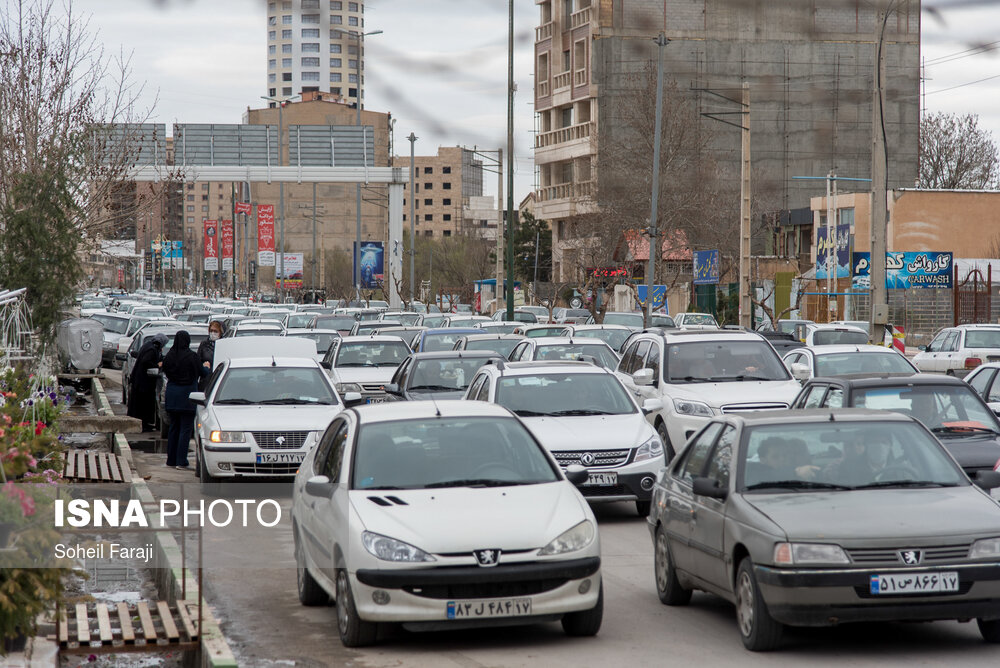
970, 83
974, 51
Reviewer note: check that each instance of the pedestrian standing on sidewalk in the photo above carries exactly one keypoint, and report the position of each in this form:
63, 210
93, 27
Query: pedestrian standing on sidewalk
183, 369
142, 386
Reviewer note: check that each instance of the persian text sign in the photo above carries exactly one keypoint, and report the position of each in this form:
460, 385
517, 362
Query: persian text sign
826, 248
227, 245
243, 207
706, 267
294, 263
265, 235
211, 245
907, 270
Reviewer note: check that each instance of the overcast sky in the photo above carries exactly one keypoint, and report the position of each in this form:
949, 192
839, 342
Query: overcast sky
440, 66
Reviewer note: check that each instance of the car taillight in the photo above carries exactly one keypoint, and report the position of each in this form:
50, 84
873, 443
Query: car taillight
972, 362
997, 467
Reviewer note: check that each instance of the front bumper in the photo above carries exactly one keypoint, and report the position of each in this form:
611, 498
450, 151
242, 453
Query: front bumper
239, 460
823, 597
629, 487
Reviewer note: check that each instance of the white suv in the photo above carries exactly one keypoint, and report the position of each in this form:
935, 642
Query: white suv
701, 374
958, 350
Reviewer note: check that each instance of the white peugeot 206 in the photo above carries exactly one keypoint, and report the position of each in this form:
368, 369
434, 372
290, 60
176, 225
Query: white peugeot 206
442, 515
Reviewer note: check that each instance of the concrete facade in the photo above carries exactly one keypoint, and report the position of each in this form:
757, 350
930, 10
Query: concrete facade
449, 189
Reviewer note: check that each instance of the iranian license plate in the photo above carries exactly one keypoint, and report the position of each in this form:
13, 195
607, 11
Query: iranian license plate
280, 457
603, 479
914, 583
375, 400
489, 607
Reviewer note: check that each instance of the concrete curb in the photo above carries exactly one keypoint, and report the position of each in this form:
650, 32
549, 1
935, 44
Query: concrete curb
170, 577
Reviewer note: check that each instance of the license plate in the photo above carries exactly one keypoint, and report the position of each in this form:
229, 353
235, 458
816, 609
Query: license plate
603, 479
489, 607
914, 583
375, 400
280, 457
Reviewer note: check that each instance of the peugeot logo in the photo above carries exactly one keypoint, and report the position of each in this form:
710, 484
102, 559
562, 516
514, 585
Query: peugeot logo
587, 459
911, 557
280, 440
489, 557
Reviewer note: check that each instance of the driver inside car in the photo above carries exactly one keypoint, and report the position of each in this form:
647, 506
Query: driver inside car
863, 462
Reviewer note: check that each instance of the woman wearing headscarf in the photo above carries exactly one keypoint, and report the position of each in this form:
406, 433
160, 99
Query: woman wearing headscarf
142, 386
183, 369
206, 349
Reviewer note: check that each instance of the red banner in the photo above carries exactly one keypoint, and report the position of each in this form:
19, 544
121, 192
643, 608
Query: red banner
265, 235
226, 232
211, 245
243, 207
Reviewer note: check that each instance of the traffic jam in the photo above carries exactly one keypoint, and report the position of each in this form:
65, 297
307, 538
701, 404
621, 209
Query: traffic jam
446, 467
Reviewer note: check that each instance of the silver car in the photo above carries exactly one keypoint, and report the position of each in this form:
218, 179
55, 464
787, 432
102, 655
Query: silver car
812, 518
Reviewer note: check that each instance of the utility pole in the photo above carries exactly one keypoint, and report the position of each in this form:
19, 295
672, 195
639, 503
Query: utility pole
413, 221
232, 223
314, 245
831, 230
500, 237
654, 247
534, 281
746, 306
879, 296
510, 160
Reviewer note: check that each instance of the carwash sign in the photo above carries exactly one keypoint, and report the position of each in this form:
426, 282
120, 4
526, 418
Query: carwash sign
906, 270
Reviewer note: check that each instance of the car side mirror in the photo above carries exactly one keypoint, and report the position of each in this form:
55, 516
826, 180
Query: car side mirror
197, 398
577, 474
987, 479
800, 371
133, 354
393, 388
352, 399
326, 365
922, 349
652, 405
710, 488
643, 377
319, 485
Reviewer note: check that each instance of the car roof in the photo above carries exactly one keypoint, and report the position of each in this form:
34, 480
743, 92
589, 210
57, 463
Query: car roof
452, 330
373, 338
684, 335
841, 348
455, 354
417, 410
492, 337
826, 327
922, 379
553, 366
299, 331
799, 416
251, 362
586, 328
566, 340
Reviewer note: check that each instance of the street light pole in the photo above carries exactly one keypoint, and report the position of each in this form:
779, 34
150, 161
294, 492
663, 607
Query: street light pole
281, 196
654, 247
413, 224
510, 160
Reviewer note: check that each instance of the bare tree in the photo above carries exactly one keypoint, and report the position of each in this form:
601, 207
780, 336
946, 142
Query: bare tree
955, 153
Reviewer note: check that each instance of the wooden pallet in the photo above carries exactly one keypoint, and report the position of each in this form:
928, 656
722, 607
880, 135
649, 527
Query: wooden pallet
94, 628
88, 466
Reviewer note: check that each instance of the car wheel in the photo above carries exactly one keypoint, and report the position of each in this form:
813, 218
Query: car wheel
668, 587
209, 484
758, 630
668, 448
354, 631
310, 593
642, 507
990, 629
585, 622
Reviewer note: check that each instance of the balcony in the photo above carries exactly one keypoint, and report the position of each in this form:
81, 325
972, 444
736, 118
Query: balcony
562, 80
543, 89
563, 135
543, 31
565, 191
581, 17
580, 77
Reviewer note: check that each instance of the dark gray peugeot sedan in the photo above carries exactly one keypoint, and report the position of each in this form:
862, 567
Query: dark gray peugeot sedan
812, 518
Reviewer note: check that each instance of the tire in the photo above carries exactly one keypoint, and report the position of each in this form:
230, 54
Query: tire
354, 631
668, 448
209, 484
585, 622
758, 630
642, 507
576, 302
989, 629
310, 593
668, 587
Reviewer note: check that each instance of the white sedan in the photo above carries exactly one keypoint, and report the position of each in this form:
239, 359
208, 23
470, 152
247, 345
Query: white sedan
442, 515
839, 360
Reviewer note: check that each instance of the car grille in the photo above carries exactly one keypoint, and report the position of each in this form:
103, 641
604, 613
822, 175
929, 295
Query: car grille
742, 408
486, 589
604, 490
291, 440
267, 469
931, 555
373, 387
601, 457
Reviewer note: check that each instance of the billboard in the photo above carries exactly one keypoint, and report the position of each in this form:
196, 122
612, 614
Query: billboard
841, 245
372, 261
211, 245
293, 270
925, 269
706, 267
659, 294
265, 235
227, 244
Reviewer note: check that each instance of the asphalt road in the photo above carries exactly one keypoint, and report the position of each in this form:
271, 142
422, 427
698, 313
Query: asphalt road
265, 625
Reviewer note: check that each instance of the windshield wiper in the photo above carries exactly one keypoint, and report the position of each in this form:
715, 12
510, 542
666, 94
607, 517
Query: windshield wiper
581, 411
239, 401
906, 483
524, 412
354, 364
475, 482
957, 429
435, 388
289, 401
691, 379
796, 484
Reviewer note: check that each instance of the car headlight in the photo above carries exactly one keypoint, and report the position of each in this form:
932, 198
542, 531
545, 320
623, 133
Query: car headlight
697, 408
651, 449
575, 538
227, 437
787, 554
390, 549
109, 345
985, 548
343, 388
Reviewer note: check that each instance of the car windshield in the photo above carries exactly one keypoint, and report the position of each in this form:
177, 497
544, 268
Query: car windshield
441, 341
196, 339
827, 337
297, 320
448, 452
465, 322
323, 341
150, 312
406, 318
722, 361
788, 326
372, 353
574, 351
627, 319
442, 375
274, 385
947, 410
370, 325
662, 321
844, 456
699, 319
93, 303
341, 322
575, 313
257, 332
982, 338
116, 325
539, 332
498, 327
564, 394
501, 346
613, 337
434, 320
842, 364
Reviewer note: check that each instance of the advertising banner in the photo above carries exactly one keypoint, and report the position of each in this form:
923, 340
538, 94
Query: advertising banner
659, 294
211, 245
227, 244
906, 270
706, 267
293, 270
372, 261
243, 207
841, 245
265, 235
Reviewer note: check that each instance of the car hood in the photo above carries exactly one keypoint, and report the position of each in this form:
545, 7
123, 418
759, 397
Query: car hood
274, 418
972, 451
462, 519
363, 374
590, 432
436, 396
752, 392
880, 514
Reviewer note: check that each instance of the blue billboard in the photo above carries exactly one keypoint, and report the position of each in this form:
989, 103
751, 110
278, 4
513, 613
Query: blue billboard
372, 261
925, 269
825, 247
659, 295
706, 267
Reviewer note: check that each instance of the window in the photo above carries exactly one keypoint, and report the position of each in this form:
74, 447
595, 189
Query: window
190, 219
720, 465
286, 48
428, 186
310, 4
428, 233
446, 170
204, 208
270, 6
352, 63
352, 6
271, 35
286, 90
271, 49
352, 20
353, 78
429, 217
272, 63
286, 34
428, 202
653, 362
190, 198
286, 62
310, 47
286, 76
335, 89
404, 216
204, 198
981, 381
310, 18
272, 92
335, 455
310, 62
428, 170
335, 48
352, 92
336, 19
286, 19
311, 33
272, 20
815, 396
310, 76
190, 208
286, 4
336, 5
446, 217
447, 233
834, 398
446, 186
336, 62
697, 454
335, 77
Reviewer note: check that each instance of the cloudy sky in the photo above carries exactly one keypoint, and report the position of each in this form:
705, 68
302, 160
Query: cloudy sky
440, 66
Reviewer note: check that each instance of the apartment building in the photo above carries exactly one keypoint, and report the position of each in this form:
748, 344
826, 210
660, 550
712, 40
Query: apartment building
315, 45
809, 66
448, 191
